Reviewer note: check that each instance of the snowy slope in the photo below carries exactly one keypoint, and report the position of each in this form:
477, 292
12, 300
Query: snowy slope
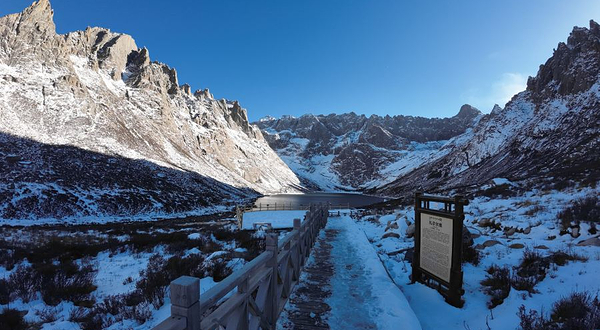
97, 91
534, 214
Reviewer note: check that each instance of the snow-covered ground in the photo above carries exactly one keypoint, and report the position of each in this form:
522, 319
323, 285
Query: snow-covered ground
380, 300
536, 210
362, 295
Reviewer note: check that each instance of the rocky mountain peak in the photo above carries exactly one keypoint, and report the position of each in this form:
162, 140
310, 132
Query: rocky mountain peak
39, 17
468, 111
573, 68
496, 109
204, 94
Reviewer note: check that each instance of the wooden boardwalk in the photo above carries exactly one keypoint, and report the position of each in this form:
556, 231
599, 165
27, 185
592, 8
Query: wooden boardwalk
307, 308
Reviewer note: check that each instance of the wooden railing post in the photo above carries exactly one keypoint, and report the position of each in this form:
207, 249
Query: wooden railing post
272, 244
185, 300
298, 251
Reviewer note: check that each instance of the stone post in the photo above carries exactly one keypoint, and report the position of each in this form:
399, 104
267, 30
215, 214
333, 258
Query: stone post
185, 300
273, 311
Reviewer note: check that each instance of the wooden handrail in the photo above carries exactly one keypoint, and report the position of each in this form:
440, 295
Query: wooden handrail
263, 285
214, 294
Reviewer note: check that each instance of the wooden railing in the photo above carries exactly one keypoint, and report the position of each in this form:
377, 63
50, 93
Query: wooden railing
263, 285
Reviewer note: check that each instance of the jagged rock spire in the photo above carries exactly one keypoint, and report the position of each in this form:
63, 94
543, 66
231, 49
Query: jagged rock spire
573, 68
37, 17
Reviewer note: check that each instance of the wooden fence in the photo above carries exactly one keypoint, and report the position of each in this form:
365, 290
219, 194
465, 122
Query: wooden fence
263, 285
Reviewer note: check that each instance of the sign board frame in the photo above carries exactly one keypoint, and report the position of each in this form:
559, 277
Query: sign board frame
446, 277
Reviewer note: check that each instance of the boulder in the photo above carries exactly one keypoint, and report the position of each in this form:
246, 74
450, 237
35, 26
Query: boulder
575, 232
485, 222
594, 241
527, 230
490, 243
511, 231
390, 234
516, 246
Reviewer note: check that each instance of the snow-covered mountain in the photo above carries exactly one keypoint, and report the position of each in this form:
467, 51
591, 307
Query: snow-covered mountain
97, 91
353, 152
548, 134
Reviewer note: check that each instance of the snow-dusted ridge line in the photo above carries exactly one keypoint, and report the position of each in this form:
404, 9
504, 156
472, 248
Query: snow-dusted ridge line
96, 90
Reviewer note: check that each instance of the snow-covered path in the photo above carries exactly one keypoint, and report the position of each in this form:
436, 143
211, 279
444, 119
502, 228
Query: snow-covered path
360, 295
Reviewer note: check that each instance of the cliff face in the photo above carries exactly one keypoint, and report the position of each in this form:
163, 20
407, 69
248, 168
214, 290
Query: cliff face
98, 91
548, 134
355, 152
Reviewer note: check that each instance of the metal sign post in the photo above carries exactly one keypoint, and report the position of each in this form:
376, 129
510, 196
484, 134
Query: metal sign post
437, 260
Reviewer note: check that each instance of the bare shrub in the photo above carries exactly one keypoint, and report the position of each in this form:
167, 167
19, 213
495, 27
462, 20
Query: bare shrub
47, 315
140, 313
23, 284
562, 257
497, 284
585, 209
153, 282
578, 311
66, 281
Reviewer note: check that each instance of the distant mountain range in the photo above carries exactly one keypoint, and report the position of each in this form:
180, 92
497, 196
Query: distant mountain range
350, 151
546, 135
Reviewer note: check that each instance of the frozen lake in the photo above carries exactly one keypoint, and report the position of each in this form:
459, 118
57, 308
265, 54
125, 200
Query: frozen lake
302, 200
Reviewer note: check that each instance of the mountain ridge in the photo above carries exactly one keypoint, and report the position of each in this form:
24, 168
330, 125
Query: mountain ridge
350, 152
547, 135
96, 90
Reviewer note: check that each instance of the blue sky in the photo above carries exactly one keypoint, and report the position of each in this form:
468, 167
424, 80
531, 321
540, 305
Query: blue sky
277, 57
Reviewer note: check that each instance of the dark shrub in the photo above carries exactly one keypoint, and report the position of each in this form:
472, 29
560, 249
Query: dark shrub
561, 258
524, 283
23, 284
4, 292
497, 284
586, 209
56, 282
578, 311
66, 281
471, 255
533, 264
12, 319
219, 270
141, 313
151, 287
87, 318
531, 320
47, 315
530, 271
112, 305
